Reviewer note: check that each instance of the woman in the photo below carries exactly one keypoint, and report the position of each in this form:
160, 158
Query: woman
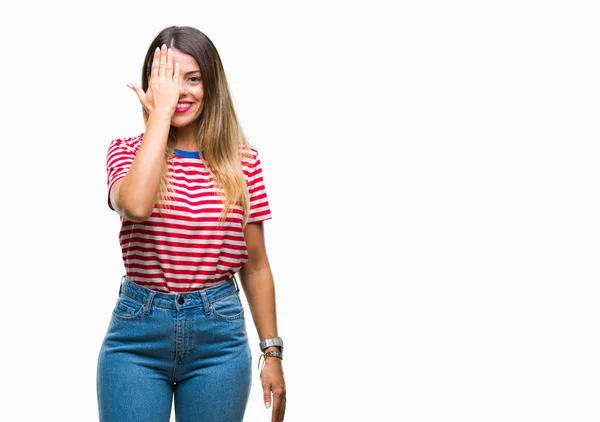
191, 199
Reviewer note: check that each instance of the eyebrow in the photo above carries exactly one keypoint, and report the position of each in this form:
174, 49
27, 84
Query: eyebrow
193, 71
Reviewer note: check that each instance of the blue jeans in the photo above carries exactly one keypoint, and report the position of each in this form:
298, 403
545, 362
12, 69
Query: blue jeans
191, 345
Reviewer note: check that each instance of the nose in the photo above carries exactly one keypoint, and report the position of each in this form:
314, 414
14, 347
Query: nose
182, 87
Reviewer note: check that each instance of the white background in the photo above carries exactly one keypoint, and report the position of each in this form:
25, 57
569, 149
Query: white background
432, 169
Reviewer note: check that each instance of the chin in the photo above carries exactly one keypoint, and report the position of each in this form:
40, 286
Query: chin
183, 121
179, 123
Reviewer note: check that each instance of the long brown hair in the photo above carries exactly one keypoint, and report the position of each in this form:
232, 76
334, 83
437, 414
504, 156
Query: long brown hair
218, 133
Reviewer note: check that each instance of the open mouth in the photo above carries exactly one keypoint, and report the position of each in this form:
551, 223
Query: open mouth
183, 107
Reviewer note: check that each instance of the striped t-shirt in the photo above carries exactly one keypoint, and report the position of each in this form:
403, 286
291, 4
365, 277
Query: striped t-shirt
186, 249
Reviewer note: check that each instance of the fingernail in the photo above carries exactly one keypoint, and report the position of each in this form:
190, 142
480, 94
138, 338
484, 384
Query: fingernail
130, 86
267, 404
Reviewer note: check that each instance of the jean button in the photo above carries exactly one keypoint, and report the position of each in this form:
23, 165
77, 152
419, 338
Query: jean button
180, 300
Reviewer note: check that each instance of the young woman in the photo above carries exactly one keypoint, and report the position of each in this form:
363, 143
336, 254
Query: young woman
191, 199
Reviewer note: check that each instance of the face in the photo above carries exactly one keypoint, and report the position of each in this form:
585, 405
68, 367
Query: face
189, 106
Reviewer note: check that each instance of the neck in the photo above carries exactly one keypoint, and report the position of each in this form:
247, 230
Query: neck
185, 139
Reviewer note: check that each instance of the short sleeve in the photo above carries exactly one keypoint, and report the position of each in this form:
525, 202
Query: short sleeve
119, 157
259, 203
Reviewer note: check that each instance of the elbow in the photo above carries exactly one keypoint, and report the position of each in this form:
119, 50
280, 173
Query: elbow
133, 212
137, 214
130, 207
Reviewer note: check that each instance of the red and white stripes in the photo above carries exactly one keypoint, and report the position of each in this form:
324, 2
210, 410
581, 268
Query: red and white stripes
186, 249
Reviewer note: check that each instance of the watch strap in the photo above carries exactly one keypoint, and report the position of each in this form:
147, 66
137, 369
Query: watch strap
264, 356
275, 354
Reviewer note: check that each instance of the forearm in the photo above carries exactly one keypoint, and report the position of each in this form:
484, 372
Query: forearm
139, 189
259, 289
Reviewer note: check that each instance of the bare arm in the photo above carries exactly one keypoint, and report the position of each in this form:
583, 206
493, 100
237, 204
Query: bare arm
135, 195
257, 281
258, 285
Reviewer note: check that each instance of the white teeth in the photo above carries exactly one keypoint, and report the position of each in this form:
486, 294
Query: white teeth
183, 105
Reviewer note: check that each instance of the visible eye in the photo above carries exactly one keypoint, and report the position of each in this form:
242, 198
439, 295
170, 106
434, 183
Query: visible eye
195, 79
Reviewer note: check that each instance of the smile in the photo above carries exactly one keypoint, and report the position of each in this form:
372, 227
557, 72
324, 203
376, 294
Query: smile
183, 107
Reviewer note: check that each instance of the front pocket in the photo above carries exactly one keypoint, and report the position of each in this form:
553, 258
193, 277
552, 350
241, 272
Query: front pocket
127, 308
228, 308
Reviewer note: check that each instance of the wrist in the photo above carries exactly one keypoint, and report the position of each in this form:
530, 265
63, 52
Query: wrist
270, 356
273, 355
161, 115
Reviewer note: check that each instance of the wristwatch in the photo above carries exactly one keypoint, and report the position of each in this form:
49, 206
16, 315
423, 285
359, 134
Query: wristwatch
268, 342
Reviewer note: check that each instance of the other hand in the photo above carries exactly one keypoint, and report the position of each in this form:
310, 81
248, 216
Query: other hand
272, 382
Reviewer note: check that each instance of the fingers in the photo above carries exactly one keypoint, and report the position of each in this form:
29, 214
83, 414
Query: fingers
172, 68
278, 407
279, 399
138, 90
155, 64
267, 396
176, 75
169, 73
143, 97
163, 63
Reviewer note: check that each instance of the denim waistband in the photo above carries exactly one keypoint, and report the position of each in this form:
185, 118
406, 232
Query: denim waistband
182, 300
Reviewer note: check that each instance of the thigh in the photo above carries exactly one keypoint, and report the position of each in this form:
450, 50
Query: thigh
215, 379
132, 376
217, 394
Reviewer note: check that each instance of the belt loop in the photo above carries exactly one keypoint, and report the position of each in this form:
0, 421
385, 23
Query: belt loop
205, 302
237, 288
149, 301
121, 285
